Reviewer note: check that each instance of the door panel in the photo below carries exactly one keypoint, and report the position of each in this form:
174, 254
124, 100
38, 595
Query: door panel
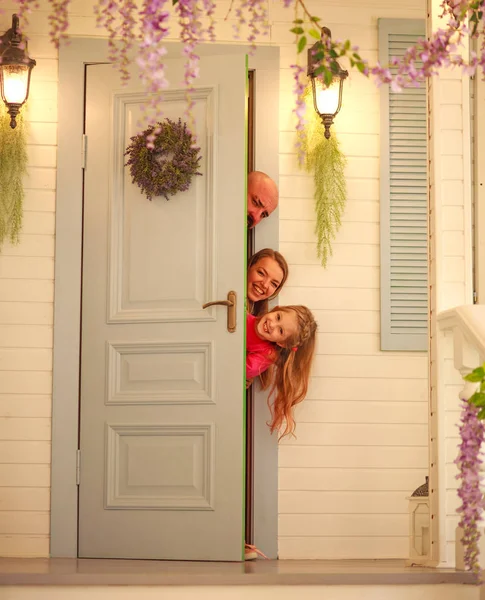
181, 285
162, 386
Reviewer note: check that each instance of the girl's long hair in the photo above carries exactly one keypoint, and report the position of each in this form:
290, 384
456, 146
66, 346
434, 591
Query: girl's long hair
290, 373
260, 307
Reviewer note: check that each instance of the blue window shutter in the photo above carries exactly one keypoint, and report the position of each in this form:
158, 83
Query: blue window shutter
403, 199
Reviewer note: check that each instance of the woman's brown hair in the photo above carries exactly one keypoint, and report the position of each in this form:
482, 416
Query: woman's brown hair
260, 307
291, 372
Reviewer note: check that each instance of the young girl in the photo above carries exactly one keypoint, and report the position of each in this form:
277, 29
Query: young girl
279, 348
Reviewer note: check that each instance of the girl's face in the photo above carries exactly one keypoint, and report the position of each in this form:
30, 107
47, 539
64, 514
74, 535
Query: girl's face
264, 278
278, 326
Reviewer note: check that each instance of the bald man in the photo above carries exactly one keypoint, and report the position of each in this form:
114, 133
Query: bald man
262, 197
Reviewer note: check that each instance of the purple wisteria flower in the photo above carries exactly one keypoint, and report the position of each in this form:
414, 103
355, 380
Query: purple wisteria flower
192, 33
58, 21
127, 35
25, 8
210, 7
106, 12
462, 20
121, 34
472, 431
300, 80
154, 26
258, 21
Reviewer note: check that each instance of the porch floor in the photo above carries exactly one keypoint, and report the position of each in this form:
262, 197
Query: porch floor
95, 572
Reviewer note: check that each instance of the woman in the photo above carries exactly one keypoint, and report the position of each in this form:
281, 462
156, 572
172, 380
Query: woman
267, 274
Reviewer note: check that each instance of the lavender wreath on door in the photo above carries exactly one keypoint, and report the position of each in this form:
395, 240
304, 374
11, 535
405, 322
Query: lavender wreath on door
163, 159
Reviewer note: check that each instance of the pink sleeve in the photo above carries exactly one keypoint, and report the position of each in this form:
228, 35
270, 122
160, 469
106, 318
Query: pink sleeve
257, 364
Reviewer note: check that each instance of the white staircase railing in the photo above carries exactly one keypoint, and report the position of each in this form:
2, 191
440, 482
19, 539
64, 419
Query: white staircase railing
460, 350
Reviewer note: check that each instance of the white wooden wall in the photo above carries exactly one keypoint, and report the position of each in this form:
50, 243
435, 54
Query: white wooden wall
361, 444
26, 316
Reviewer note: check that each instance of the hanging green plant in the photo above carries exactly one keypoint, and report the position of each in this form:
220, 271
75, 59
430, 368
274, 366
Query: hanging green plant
326, 161
13, 167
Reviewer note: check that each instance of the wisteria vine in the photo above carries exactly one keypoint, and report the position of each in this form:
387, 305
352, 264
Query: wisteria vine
258, 21
106, 14
468, 461
25, 9
462, 19
154, 19
192, 32
58, 21
472, 435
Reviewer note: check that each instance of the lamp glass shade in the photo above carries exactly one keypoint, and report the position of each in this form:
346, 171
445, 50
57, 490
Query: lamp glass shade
327, 98
15, 83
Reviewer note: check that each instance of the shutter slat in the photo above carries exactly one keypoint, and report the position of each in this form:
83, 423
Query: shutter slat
418, 180
402, 112
411, 91
406, 135
409, 252
408, 312
403, 197
401, 131
410, 320
408, 288
408, 260
396, 189
417, 145
400, 227
405, 100
406, 304
403, 211
404, 208
405, 158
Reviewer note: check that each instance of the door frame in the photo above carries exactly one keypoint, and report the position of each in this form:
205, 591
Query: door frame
67, 287
478, 157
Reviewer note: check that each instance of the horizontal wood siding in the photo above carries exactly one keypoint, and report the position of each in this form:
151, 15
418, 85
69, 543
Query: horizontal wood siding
361, 442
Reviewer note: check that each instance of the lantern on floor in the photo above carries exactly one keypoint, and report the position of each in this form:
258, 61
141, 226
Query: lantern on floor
419, 526
327, 99
15, 69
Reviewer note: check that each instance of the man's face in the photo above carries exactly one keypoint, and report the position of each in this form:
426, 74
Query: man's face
262, 199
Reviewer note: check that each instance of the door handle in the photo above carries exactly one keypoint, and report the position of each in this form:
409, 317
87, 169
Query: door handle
231, 304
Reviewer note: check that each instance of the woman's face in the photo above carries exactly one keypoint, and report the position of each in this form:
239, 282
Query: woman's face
264, 278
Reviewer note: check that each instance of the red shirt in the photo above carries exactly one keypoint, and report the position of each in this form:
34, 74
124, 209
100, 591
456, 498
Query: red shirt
260, 354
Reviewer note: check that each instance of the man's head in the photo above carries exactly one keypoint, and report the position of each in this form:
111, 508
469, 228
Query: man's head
262, 197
